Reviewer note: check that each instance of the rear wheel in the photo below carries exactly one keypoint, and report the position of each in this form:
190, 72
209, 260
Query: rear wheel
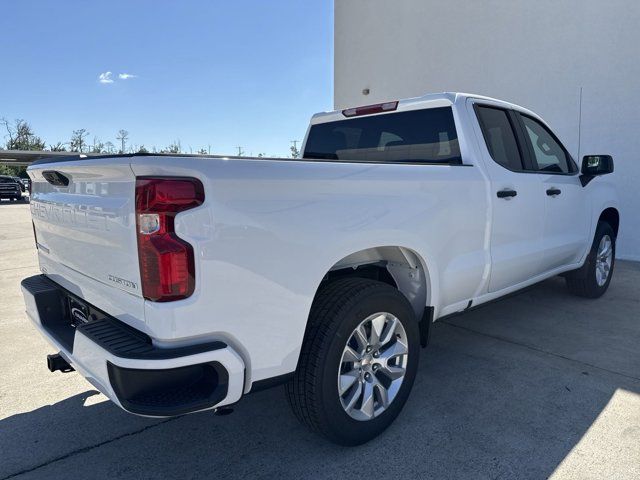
592, 280
358, 361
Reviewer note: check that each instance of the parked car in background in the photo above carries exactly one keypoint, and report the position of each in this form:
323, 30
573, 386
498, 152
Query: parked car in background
20, 183
10, 188
180, 283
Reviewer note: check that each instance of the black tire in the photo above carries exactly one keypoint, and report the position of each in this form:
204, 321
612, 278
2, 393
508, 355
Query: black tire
583, 282
313, 393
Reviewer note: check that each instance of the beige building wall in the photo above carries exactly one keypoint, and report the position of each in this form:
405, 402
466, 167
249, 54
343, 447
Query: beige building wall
574, 62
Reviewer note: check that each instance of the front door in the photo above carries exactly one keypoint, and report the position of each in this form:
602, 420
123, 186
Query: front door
566, 220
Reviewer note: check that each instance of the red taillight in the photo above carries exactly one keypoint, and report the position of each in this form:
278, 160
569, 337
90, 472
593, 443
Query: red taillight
167, 269
369, 109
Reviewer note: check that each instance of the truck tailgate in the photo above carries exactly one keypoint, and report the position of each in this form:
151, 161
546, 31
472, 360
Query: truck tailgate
86, 231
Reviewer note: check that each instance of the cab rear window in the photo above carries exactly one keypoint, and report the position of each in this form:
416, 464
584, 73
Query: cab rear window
417, 136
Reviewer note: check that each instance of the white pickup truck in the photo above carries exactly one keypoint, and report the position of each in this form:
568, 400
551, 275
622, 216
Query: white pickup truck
179, 283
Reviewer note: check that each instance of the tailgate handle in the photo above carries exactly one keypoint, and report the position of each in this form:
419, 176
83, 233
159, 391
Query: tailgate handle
56, 178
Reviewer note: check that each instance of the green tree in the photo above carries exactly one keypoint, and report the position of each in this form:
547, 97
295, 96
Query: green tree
13, 171
20, 136
77, 142
295, 153
172, 148
58, 147
142, 149
123, 136
97, 147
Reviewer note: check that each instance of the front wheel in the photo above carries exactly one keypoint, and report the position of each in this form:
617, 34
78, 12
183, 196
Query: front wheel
592, 280
358, 361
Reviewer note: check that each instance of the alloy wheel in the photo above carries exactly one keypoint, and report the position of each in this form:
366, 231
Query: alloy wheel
373, 366
604, 259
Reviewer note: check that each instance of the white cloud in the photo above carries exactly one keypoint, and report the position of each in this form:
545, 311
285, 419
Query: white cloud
105, 77
126, 76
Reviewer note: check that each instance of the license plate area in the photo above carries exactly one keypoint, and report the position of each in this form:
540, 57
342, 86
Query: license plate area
79, 312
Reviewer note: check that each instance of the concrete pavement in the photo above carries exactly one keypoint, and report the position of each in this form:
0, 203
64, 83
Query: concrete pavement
540, 384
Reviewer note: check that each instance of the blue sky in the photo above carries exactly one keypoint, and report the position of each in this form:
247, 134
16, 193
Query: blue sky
219, 73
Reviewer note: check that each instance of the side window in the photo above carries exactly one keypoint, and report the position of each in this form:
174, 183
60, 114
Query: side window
500, 138
548, 154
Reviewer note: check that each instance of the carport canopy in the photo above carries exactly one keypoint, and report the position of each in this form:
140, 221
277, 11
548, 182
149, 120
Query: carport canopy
24, 158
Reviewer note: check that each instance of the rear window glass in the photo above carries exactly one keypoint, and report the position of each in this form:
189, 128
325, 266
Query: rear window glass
427, 135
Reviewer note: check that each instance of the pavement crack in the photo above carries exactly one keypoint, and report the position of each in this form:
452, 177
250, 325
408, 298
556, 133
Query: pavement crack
88, 449
539, 350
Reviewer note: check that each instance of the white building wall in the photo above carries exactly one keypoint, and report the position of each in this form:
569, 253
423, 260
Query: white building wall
542, 54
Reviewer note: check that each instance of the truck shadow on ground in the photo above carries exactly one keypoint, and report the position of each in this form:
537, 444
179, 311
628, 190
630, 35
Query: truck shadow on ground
506, 390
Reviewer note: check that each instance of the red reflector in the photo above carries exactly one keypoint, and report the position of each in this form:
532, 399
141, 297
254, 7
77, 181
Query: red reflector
156, 195
167, 267
369, 109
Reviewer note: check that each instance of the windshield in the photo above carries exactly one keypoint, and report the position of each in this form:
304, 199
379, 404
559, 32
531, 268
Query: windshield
422, 136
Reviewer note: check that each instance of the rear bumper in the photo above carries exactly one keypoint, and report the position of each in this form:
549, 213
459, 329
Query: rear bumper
123, 363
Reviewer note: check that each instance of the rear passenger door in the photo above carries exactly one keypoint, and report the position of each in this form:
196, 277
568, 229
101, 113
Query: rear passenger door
518, 210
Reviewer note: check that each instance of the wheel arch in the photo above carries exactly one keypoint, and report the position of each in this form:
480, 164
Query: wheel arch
612, 217
400, 267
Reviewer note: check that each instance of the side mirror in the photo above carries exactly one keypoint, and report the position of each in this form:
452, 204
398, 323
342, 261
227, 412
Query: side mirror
594, 165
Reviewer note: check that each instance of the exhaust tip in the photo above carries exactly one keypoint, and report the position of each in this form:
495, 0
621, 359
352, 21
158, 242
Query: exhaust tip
56, 363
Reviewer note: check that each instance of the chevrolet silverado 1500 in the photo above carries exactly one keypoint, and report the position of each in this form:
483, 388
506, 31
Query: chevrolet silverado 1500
179, 283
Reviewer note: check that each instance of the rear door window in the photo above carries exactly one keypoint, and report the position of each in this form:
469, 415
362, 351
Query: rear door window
500, 137
422, 136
